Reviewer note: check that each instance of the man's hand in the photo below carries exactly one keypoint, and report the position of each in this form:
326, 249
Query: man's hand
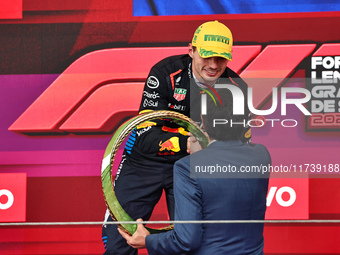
137, 240
193, 145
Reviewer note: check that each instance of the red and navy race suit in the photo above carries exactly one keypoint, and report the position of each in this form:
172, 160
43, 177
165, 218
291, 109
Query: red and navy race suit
153, 147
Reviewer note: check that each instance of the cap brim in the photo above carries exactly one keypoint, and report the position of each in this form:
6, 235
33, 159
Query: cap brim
208, 52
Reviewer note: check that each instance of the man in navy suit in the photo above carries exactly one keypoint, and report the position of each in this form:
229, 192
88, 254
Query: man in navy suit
225, 181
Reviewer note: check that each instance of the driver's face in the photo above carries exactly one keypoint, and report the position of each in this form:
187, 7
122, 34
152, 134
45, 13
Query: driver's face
207, 70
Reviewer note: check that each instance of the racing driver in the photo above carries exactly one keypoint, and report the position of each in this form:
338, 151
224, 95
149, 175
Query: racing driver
175, 83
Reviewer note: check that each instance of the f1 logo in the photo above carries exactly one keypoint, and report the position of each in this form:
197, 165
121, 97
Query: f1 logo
13, 197
90, 87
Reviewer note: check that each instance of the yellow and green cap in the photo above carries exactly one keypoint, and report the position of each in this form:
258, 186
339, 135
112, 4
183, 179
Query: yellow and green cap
213, 39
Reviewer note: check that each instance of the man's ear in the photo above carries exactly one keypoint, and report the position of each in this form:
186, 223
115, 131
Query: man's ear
206, 133
190, 50
202, 122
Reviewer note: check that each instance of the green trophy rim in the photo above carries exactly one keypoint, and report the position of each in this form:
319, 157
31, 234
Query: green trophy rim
115, 209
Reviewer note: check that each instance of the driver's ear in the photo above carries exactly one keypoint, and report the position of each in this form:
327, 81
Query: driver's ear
190, 50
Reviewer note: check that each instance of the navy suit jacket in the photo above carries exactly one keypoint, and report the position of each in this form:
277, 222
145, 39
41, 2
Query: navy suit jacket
231, 196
